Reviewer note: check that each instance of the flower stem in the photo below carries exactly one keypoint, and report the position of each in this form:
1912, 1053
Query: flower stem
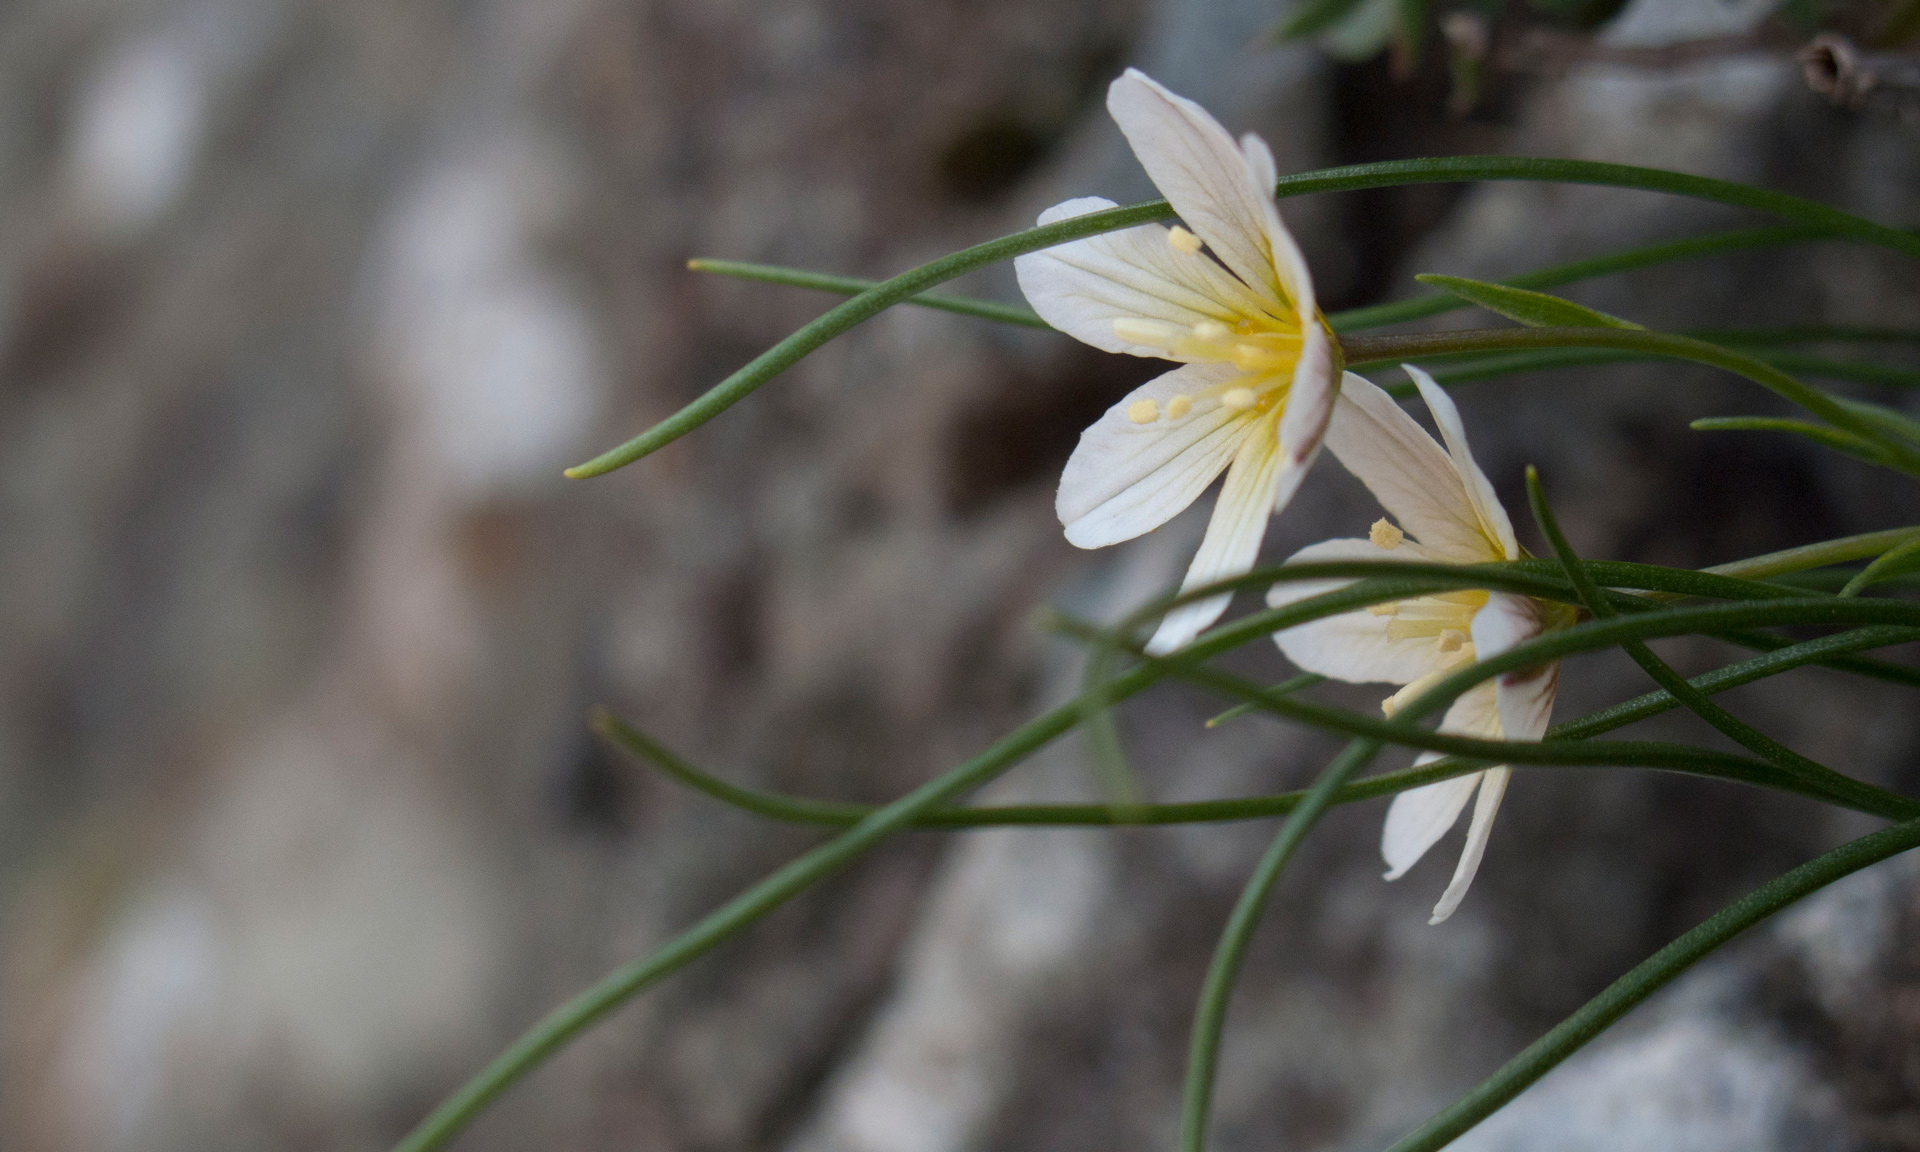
1203, 1053
1374, 350
1729, 725
887, 293
1649, 976
841, 814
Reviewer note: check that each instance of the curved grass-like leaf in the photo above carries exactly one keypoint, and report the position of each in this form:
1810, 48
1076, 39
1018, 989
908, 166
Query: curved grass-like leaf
563, 1023
871, 302
1649, 976
1820, 434
1626, 260
832, 813
1362, 351
1210, 1017
1729, 725
1896, 561
1534, 309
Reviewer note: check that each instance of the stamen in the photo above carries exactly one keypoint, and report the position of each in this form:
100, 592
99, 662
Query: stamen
1390, 608
1179, 406
1211, 332
1399, 699
1143, 411
1151, 333
1183, 240
1385, 534
1239, 399
1251, 358
1452, 639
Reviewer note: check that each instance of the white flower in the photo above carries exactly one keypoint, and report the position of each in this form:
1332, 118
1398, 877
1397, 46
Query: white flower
1257, 381
1451, 516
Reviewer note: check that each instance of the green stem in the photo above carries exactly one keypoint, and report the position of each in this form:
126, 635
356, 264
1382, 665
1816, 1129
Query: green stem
1452, 371
1377, 315
1900, 558
1203, 1052
1370, 350
563, 1023
1729, 725
1808, 334
1712, 244
1838, 551
569, 1019
1285, 688
854, 285
1648, 977
1821, 434
1831, 788
1388, 174
832, 813
1831, 369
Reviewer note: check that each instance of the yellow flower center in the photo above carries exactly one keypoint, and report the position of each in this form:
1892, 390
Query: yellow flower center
1446, 618
1263, 346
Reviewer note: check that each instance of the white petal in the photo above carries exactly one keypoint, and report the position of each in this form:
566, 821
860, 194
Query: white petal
1418, 818
1310, 398
1525, 694
1474, 713
1353, 646
1493, 786
1288, 261
1125, 478
1260, 159
1486, 504
1202, 173
1233, 536
1083, 286
1408, 472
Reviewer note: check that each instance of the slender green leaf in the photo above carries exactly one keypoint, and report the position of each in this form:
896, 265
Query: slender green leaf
1828, 368
1896, 561
1729, 725
854, 285
1693, 247
1648, 977
802, 810
1808, 334
1363, 351
1889, 420
1284, 688
781, 356
1820, 434
1534, 309
1450, 371
567, 1021
1203, 1051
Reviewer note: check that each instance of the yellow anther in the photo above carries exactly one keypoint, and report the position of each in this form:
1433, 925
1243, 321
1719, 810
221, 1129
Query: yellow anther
1183, 240
1452, 640
1400, 699
1385, 534
1211, 331
1152, 333
1390, 608
1179, 406
1143, 411
1239, 399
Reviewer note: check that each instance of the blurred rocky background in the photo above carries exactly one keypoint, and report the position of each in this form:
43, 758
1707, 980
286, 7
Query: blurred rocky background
304, 305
